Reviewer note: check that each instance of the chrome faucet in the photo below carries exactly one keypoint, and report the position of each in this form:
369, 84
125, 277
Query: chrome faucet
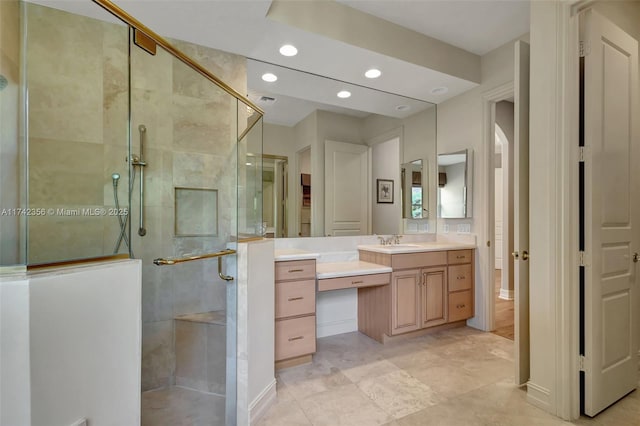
393, 239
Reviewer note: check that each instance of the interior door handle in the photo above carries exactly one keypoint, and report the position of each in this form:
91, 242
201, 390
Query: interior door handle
516, 255
635, 257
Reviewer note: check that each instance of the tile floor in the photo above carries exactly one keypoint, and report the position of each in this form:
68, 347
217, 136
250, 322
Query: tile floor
177, 406
451, 378
504, 312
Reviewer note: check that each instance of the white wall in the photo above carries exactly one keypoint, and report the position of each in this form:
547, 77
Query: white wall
72, 337
460, 126
385, 164
255, 330
15, 375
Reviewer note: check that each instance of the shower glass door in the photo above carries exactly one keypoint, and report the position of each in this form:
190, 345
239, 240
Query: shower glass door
190, 141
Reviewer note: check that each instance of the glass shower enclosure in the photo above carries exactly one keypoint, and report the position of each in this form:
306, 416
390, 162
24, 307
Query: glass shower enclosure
127, 145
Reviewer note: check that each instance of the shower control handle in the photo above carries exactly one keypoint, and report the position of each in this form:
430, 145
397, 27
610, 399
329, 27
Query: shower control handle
141, 163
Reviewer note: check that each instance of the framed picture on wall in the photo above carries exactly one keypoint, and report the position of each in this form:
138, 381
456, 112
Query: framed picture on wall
385, 191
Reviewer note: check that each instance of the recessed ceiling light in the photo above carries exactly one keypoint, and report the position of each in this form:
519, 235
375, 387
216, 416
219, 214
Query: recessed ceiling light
373, 73
344, 94
439, 90
403, 107
288, 50
269, 77
248, 164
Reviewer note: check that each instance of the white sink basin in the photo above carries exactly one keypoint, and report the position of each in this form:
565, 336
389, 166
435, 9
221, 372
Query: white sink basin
393, 248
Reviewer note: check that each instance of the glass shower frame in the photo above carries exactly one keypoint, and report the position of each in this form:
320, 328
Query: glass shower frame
248, 166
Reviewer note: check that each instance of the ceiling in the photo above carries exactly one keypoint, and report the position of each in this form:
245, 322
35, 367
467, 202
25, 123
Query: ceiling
477, 26
242, 27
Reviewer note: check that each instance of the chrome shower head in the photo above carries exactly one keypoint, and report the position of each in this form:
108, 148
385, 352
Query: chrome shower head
115, 177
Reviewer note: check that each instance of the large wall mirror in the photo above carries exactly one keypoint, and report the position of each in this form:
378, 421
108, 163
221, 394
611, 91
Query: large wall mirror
455, 176
337, 150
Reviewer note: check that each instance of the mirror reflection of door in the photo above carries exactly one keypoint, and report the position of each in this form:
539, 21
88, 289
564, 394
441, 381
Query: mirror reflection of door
303, 207
275, 170
411, 176
454, 185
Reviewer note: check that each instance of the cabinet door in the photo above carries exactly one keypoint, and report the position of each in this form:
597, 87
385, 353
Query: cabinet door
405, 301
434, 296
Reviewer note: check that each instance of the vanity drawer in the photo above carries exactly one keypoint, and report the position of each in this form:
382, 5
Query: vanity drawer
295, 337
460, 277
354, 282
460, 305
295, 270
459, 256
418, 260
295, 298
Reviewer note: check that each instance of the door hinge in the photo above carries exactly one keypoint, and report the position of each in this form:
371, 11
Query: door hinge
582, 259
581, 154
584, 48
581, 363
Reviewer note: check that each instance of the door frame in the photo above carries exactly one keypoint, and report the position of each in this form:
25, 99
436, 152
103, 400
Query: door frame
560, 393
489, 100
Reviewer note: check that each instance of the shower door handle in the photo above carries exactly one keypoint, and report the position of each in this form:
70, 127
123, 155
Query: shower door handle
219, 254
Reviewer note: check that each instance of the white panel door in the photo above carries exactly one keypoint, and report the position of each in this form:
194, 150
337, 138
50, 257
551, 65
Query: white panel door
346, 203
612, 147
521, 210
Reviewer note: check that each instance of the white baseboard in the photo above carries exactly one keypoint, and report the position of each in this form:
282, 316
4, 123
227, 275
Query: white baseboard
332, 328
539, 396
506, 294
259, 406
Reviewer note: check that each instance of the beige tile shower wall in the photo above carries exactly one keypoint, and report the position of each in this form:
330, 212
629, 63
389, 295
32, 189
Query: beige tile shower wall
10, 159
77, 79
79, 107
191, 142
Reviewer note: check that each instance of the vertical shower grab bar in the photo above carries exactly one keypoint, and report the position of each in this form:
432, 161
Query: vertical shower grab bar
143, 131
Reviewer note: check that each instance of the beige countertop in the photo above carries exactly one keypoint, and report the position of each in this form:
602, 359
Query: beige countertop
282, 255
349, 269
416, 247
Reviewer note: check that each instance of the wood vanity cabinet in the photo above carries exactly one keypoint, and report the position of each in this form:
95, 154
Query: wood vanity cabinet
418, 299
295, 311
427, 289
460, 271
